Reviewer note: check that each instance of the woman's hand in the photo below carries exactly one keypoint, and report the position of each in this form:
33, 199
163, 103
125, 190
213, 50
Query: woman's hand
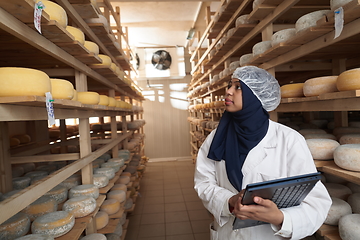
265, 211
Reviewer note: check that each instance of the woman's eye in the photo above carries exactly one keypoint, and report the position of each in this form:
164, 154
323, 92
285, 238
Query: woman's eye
229, 85
238, 87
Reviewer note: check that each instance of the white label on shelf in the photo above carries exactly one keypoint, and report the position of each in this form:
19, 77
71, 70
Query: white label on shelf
339, 21
39, 6
50, 109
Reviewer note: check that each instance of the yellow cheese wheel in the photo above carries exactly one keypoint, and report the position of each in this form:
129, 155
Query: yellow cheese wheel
118, 104
89, 190
104, 100
76, 33
110, 206
349, 80
59, 193
322, 149
16, 226
106, 60
61, 89
41, 206
17, 81
120, 73
118, 195
112, 102
80, 206
292, 90
102, 219
113, 67
55, 12
75, 97
347, 156
119, 186
92, 98
320, 85
92, 47
54, 224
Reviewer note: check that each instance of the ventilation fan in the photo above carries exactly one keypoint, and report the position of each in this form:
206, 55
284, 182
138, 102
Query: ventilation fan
161, 60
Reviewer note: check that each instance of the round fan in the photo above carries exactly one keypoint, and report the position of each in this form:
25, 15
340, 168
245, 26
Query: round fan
161, 59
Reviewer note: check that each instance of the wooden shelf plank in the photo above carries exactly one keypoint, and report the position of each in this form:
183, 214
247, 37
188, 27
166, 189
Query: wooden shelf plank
350, 176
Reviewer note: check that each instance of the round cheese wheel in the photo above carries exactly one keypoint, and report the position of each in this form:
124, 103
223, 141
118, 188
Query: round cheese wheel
347, 156
100, 180
35, 237
129, 203
17, 171
114, 165
89, 190
75, 97
118, 160
245, 59
322, 149
349, 227
17, 81
16, 226
28, 167
55, 224
349, 80
106, 60
244, 19
120, 73
338, 209
119, 186
80, 206
282, 36
338, 190
123, 219
102, 219
319, 136
61, 89
113, 67
59, 193
104, 100
309, 20
71, 181
118, 195
123, 180
292, 90
355, 188
92, 98
350, 139
320, 85
92, 47
23, 138
261, 47
14, 141
76, 33
354, 201
55, 12
112, 102
34, 174
40, 207
109, 172
306, 131
21, 182
94, 236
113, 236
335, 4
110, 206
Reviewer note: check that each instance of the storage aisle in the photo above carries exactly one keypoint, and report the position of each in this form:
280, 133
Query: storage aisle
168, 207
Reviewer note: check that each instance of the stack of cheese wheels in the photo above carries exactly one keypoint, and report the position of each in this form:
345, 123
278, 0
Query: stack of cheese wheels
354, 201
350, 139
92, 47
335, 4
59, 193
110, 206
349, 227
92, 98
100, 180
338, 190
80, 206
292, 90
89, 190
338, 209
16, 226
282, 36
309, 20
94, 236
61, 89
55, 12
102, 219
349, 80
347, 156
77, 34
109, 172
17, 81
261, 47
35, 237
40, 207
320, 85
20, 182
104, 100
106, 60
55, 224
322, 149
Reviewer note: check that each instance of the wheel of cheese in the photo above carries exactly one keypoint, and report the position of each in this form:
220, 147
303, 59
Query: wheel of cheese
100, 180
244, 19
17, 171
309, 20
123, 180
92, 98
58, 193
17, 81
120, 73
89, 190
80, 206
129, 203
319, 136
61, 89
350, 139
110, 206
347, 156
118, 195
322, 149
92, 47
292, 90
55, 224
119, 186
118, 160
245, 59
21, 182
320, 85
349, 80
123, 219
14, 142
355, 188
28, 167
35, 237
261, 47
77, 34
113, 67
71, 181
335, 4
75, 97
104, 100
41, 206
47, 168
55, 12
16, 226
94, 236
114, 165
354, 201
112, 102
306, 131
106, 60
338, 209
338, 190
102, 219
282, 36
34, 174
109, 172
349, 227
113, 236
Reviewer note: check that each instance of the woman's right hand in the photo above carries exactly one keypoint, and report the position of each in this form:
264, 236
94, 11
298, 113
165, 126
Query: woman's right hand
234, 199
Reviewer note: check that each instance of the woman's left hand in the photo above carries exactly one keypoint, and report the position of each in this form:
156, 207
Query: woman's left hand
265, 211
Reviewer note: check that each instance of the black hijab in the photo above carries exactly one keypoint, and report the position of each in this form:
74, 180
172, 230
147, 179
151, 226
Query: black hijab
238, 133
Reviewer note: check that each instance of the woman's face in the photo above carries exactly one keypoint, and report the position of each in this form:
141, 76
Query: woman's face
233, 96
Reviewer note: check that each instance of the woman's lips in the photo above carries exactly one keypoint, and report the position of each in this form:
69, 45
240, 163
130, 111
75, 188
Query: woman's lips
228, 101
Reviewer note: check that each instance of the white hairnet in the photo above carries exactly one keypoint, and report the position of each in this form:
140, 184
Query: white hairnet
264, 85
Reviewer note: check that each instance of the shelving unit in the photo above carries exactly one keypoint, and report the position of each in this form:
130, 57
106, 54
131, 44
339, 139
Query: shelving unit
58, 54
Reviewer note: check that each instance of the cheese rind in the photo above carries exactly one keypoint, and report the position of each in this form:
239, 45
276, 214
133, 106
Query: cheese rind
100, 180
59, 193
92, 98
102, 219
92, 47
21, 182
89, 190
35, 237
118, 195
338, 190
349, 227
76, 33
347, 156
349, 80
16, 226
110, 206
109, 172
292, 90
104, 100
55, 224
282, 36
61, 89
322, 149
338, 209
94, 236
350, 139
309, 20
40, 207
320, 85
80, 206
56, 12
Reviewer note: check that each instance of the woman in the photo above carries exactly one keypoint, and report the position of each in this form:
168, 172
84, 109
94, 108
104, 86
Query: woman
246, 148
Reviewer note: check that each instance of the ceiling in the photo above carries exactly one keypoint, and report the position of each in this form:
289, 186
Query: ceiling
158, 23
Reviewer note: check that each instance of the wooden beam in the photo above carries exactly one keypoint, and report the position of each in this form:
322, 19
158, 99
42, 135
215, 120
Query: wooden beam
5, 165
45, 158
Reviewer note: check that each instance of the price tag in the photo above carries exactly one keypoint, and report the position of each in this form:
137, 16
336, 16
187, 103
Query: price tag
39, 6
339, 21
50, 108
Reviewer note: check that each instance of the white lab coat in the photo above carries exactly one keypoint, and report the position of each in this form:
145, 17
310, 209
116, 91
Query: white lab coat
283, 152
